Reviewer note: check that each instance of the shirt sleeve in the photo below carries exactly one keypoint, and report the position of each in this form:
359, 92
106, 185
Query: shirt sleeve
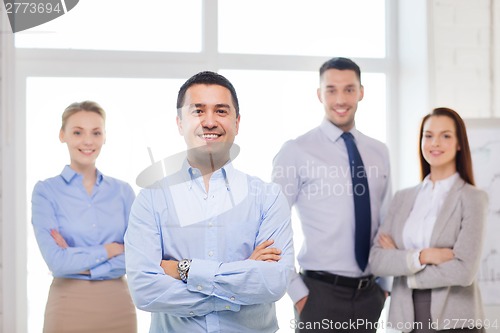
297, 288
387, 194
250, 281
111, 269
128, 198
151, 289
385, 282
72, 260
285, 173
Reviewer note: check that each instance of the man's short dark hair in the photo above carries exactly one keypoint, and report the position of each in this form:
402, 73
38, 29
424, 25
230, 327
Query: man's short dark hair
208, 78
340, 64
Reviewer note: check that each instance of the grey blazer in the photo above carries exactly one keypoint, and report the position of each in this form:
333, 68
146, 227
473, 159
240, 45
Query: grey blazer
460, 225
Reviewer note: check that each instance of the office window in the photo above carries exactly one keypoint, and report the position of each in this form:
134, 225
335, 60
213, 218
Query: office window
128, 25
354, 28
277, 106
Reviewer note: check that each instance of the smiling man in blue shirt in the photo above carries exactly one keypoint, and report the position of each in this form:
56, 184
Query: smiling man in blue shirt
209, 248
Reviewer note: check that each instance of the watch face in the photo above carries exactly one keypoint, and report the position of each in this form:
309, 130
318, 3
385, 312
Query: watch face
184, 264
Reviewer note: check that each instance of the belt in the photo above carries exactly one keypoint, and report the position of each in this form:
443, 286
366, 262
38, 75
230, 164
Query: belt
339, 280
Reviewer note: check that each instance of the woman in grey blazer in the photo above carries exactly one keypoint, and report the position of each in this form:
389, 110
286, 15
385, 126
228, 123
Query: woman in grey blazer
432, 237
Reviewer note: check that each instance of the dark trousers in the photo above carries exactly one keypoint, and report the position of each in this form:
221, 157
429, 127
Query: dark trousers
422, 309
333, 308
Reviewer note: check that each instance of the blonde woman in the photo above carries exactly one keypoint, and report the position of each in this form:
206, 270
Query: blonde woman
79, 218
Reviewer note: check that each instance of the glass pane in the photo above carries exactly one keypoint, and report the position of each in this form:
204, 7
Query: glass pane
140, 114
147, 25
354, 28
371, 116
277, 106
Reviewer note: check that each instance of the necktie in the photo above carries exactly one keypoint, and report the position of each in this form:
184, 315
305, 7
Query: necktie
361, 193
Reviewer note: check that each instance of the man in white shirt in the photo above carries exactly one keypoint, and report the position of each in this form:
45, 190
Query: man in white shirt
209, 248
320, 173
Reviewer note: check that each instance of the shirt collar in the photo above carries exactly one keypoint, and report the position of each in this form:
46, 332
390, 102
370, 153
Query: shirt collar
100, 177
334, 133
69, 174
225, 173
443, 184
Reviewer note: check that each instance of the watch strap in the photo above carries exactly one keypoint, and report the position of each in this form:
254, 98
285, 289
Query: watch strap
183, 269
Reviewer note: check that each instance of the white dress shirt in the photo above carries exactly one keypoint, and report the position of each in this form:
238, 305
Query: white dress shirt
313, 171
419, 225
418, 228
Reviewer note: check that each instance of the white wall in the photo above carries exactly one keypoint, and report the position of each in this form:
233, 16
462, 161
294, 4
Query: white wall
464, 55
1, 175
413, 93
449, 55
465, 50
11, 243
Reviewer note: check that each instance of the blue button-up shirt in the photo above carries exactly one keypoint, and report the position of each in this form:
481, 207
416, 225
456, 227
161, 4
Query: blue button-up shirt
86, 222
219, 229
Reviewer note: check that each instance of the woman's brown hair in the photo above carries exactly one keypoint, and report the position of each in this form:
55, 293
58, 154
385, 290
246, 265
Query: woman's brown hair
463, 159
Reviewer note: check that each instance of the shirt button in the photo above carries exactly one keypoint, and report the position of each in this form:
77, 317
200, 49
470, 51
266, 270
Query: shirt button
232, 298
191, 313
210, 253
199, 288
210, 224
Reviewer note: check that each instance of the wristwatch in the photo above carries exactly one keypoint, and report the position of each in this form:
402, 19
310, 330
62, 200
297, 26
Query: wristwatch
183, 269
